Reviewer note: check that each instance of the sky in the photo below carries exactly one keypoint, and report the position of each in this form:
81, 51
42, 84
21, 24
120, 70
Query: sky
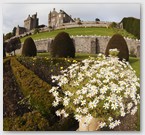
15, 14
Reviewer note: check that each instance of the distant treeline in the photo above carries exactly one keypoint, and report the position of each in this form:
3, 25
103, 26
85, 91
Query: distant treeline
132, 25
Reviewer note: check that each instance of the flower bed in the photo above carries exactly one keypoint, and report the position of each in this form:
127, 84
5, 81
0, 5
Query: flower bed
102, 87
45, 67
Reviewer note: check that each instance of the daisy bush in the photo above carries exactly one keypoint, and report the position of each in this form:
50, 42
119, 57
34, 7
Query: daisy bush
101, 87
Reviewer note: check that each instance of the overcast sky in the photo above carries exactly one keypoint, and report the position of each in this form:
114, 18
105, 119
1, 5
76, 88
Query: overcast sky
15, 14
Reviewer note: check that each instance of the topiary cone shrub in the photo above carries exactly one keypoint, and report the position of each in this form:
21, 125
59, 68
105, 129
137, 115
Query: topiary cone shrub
117, 41
29, 48
62, 46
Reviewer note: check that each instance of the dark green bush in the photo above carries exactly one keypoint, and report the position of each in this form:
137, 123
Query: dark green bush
29, 48
31, 85
62, 46
117, 41
132, 25
113, 25
32, 121
13, 44
65, 124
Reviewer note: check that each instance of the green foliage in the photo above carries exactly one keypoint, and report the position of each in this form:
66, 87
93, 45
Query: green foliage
132, 25
36, 30
8, 36
135, 63
29, 48
13, 44
113, 25
14, 31
32, 121
62, 46
49, 66
34, 87
65, 124
97, 19
117, 41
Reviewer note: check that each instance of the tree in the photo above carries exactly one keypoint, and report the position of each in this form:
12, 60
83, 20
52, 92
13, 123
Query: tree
36, 30
62, 46
14, 31
29, 48
13, 44
97, 19
118, 42
8, 36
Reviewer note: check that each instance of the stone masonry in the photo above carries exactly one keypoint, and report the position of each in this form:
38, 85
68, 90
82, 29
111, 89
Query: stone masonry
88, 44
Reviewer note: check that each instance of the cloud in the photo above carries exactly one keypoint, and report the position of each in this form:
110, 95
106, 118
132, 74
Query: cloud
15, 14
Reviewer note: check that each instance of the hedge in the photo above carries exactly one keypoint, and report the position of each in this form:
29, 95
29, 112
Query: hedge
132, 25
32, 86
5, 60
31, 121
34, 121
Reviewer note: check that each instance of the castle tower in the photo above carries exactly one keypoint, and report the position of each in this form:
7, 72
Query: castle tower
49, 19
31, 22
56, 19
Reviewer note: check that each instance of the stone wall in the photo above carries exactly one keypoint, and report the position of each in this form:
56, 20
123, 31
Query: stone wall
89, 44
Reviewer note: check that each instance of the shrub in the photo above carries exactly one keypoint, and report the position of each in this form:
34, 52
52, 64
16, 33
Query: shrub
32, 86
36, 30
62, 46
65, 124
117, 41
113, 25
13, 44
29, 47
132, 25
32, 121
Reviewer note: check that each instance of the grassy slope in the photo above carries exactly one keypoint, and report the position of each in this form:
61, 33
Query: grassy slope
81, 31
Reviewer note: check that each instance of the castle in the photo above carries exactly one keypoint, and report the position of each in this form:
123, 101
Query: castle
29, 24
56, 18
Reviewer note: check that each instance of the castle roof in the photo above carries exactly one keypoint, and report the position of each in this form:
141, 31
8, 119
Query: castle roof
21, 27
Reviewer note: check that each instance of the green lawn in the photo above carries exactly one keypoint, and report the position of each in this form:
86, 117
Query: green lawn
81, 31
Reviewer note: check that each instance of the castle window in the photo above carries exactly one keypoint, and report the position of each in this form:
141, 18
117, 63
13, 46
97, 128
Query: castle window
59, 15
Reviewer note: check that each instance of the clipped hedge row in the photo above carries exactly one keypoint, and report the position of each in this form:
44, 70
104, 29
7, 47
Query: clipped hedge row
32, 86
32, 121
65, 124
5, 60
